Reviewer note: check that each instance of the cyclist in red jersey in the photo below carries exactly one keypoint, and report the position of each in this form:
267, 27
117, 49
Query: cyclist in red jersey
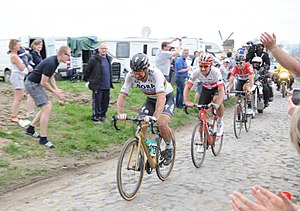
245, 77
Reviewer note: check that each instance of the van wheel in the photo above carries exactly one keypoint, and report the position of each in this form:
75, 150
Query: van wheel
7, 76
58, 77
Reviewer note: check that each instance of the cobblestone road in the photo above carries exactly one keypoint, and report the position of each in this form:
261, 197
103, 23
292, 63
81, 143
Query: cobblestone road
263, 156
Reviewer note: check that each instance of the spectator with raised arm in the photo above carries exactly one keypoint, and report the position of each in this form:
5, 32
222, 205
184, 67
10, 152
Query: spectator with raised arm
287, 61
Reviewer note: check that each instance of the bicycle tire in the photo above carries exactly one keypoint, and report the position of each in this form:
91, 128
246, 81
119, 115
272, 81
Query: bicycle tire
163, 171
236, 120
129, 179
198, 145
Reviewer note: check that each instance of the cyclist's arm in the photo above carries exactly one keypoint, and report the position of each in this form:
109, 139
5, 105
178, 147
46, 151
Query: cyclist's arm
121, 103
221, 94
230, 84
160, 103
251, 80
186, 92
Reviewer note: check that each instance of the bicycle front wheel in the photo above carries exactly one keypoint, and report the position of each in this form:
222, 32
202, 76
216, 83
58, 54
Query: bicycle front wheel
130, 169
164, 168
247, 121
237, 120
198, 144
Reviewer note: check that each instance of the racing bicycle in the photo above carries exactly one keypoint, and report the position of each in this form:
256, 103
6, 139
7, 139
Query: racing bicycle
205, 134
135, 158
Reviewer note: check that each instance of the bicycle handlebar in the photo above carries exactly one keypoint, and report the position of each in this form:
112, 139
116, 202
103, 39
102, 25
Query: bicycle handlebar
239, 92
134, 119
197, 106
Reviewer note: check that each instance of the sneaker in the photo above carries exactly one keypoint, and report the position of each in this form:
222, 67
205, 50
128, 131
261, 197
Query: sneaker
46, 143
238, 125
200, 148
220, 128
266, 105
249, 111
168, 156
102, 119
33, 134
96, 121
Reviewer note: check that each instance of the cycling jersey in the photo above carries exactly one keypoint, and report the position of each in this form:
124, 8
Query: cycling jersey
211, 81
242, 74
154, 85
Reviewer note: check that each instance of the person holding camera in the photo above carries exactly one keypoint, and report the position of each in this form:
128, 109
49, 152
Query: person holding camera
258, 50
164, 56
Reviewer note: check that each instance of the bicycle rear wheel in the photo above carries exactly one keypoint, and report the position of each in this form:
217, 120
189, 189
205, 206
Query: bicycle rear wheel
198, 144
163, 170
237, 120
130, 169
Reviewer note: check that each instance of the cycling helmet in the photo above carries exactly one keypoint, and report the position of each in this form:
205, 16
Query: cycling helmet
239, 58
206, 59
257, 59
139, 61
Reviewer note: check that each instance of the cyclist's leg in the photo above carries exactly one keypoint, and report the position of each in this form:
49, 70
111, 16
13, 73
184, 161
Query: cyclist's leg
147, 109
220, 112
164, 119
165, 130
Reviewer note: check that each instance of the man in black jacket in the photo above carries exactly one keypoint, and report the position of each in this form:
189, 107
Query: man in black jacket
99, 74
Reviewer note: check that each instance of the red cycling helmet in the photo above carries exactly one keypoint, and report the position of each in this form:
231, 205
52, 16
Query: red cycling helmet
206, 59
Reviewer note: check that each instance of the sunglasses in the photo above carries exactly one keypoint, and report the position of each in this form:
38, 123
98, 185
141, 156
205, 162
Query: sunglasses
240, 62
137, 72
204, 66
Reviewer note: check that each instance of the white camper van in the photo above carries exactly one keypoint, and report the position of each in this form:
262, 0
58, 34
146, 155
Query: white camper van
125, 48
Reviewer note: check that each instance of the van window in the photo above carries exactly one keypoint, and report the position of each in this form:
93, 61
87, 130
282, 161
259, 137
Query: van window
123, 50
154, 51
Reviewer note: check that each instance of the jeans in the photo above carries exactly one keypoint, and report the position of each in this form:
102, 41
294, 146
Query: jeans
180, 83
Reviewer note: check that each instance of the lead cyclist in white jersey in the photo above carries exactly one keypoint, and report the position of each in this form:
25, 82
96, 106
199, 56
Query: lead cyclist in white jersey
212, 87
159, 103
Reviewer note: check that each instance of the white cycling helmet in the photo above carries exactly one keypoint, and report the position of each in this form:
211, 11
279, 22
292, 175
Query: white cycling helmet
257, 59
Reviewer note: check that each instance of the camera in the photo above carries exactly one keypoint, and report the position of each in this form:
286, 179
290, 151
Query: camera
252, 48
296, 96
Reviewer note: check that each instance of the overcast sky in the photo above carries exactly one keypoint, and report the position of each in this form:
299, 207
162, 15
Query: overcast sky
166, 18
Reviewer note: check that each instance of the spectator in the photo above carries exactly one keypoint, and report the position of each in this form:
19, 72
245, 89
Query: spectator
199, 83
231, 58
18, 72
36, 83
288, 62
36, 47
172, 65
163, 57
99, 73
181, 74
26, 56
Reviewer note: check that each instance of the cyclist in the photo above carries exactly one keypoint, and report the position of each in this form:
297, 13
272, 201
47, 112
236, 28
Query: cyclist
212, 87
262, 74
245, 78
159, 104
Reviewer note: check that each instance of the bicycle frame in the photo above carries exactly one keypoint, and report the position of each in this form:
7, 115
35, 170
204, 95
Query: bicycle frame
202, 117
141, 141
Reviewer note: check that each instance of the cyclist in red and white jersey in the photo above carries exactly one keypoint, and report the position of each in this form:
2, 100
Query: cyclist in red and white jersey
159, 103
245, 77
212, 87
